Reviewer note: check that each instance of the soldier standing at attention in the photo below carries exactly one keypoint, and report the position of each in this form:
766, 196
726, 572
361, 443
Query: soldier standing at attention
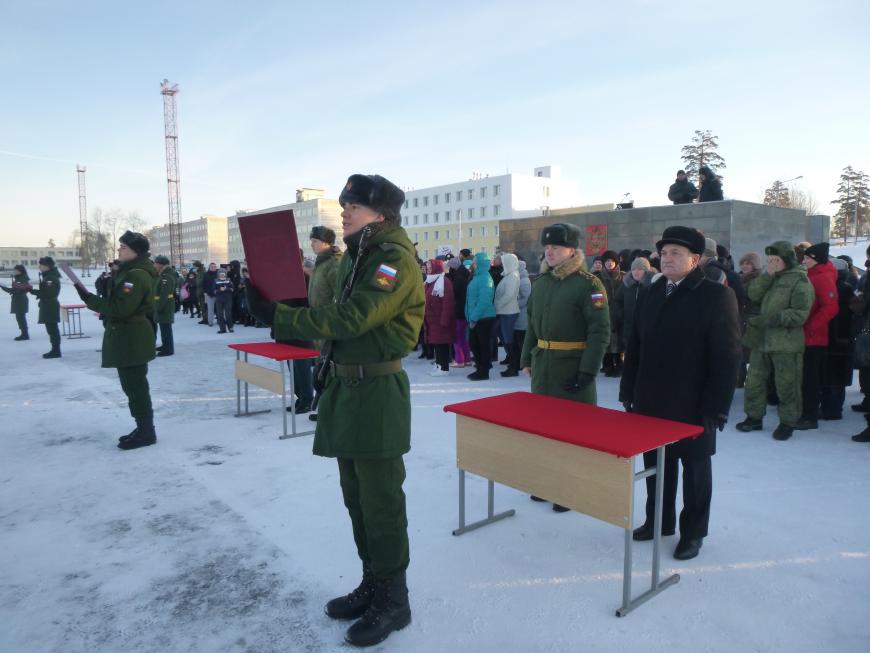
49, 306
164, 304
365, 409
128, 341
20, 303
569, 323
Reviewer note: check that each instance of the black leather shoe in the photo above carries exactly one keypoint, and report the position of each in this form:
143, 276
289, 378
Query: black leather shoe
163, 352
863, 436
313, 417
538, 499
783, 432
479, 375
688, 549
560, 508
863, 407
645, 533
355, 604
806, 424
750, 424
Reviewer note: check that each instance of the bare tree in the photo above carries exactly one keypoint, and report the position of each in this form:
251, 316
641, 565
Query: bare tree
804, 200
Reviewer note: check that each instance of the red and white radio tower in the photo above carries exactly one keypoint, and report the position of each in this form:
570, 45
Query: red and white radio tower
176, 246
83, 219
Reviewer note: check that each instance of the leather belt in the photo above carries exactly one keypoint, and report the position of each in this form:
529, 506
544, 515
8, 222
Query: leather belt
560, 345
366, 371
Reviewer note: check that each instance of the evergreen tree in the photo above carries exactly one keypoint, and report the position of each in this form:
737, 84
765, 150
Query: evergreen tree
777, 195
853, 199
702, 152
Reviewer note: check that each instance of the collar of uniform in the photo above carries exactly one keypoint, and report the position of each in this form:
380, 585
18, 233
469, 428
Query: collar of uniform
565, 268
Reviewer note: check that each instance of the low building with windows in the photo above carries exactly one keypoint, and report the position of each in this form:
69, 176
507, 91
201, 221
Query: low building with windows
29, 256
466, 214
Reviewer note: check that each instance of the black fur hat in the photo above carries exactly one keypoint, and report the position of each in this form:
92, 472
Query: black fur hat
162, 260
562, 235
135, 241
47, 261
375, 192
324, 234
685, 236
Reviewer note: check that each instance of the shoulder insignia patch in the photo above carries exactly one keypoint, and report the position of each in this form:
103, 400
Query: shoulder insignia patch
385, 277
128, 286
599, 300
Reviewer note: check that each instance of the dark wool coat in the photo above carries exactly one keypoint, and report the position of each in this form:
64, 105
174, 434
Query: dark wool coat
459, 278
439, 321
49, 289
20, 287
682, 355
837, 367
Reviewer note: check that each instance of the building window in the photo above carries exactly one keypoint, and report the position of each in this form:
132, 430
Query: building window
495, 230
447, 234
470, 232
471, 193
483, 231
459, 196
470, 214
482, 211
459, 214
496, 209
416, 219
426, 201
435, 236
435, 216
546, 191
447, 198
425, 253
483, 249
482, 192
406, 204
446, 216
416, 202
425, 218
425, 235
495, 190
435, 198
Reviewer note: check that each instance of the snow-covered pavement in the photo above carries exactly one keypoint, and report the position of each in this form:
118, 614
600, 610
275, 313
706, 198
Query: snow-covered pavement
223, 538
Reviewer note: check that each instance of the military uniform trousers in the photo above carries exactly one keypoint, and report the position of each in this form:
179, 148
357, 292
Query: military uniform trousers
786, 369
134, 383
53, 332
697, 493
21, 318
373, 495
167, 340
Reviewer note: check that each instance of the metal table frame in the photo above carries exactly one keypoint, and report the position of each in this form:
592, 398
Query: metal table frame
247, 413
628, 603
71, 322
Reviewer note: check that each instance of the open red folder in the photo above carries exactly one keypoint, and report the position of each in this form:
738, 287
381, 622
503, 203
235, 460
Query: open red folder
272, 254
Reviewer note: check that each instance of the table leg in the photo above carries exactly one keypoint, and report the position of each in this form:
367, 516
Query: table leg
491, 516
284, 396
246, 389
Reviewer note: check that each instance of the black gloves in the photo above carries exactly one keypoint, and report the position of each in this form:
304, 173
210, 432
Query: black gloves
578, 382
83, 292
713, 424
259, 306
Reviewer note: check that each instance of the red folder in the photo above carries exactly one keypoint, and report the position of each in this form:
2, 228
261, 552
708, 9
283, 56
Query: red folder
272, 254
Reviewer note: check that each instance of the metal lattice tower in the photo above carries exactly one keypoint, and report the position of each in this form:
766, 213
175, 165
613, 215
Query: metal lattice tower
176, 246
83, 220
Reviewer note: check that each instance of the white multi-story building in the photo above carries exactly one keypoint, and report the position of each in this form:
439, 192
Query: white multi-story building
203, 239
310, 209
29, 256
466, 214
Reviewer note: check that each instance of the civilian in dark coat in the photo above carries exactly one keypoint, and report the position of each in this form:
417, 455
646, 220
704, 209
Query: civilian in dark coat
711, 185
837, 363
439, 319
681, 364
460, 276
640, 276
682, 191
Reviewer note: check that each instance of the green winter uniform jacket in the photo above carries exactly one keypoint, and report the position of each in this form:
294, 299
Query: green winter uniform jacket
164, 296
380, 321
20, 287
322, 286
49, 289
567, 304
129, 337
785, 298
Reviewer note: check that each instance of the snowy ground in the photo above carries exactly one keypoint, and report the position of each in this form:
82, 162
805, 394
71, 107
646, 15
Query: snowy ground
223, 538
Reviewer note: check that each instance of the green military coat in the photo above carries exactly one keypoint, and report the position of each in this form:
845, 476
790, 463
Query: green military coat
49, 289
322, 287
369, 418
567, 304
786, 299
20, 287
129, 337
164, 296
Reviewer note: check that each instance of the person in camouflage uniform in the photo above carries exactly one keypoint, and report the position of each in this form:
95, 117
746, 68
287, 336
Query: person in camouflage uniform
128, 341
20, 303
165, 288
365, 410
49, 305
776, 338
569, 323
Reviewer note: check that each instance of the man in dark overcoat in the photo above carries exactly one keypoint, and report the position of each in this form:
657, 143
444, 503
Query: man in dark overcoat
680, 364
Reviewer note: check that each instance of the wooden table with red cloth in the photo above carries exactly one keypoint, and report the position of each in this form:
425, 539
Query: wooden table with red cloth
578, 455
269, 379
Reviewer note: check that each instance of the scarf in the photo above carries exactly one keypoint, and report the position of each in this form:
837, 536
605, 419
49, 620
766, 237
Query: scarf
438, 280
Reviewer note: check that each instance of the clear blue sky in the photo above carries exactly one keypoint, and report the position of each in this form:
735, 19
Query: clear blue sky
279, 95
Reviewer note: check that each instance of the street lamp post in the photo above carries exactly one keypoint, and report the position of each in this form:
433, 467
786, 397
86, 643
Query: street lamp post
782, 185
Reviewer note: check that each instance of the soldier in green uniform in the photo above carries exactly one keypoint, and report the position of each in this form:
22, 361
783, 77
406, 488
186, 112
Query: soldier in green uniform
20, 302
776, 339
322, 284
49, 306
365, 410
128, 341
569, 323
165, 286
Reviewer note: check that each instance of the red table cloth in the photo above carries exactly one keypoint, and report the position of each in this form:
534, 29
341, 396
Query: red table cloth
275, 351
611, 431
